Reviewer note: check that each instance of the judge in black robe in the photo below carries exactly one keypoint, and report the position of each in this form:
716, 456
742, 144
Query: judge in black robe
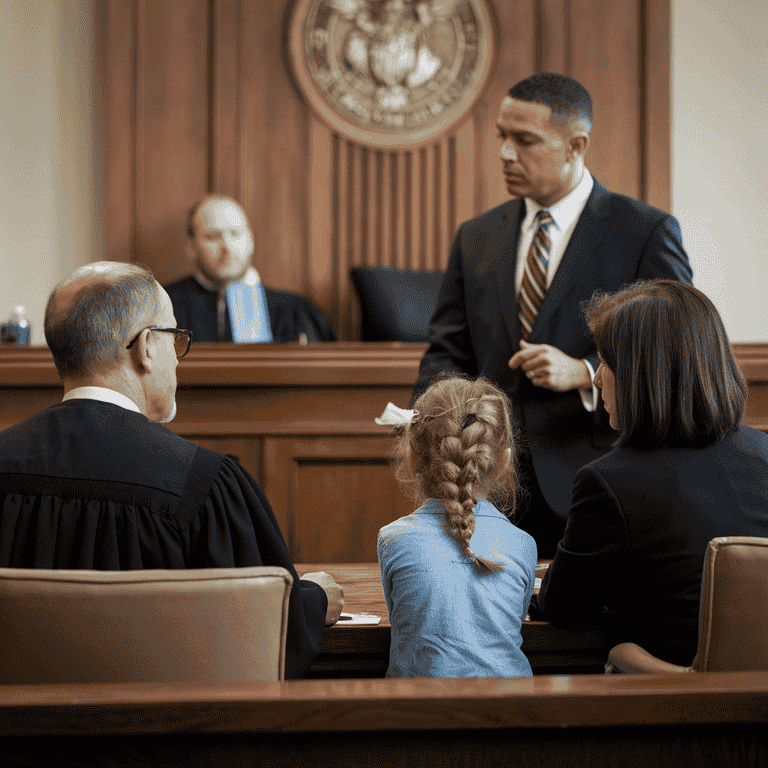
220, 244
291, 317
92, 485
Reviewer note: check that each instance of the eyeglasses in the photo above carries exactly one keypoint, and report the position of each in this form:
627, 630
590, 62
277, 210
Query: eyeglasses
181, 341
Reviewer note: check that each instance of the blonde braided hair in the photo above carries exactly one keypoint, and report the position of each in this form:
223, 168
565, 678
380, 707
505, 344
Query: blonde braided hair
453, 449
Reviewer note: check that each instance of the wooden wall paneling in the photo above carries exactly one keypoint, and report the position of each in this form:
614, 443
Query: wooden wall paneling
198, 95
417, 213
226, 77
409, 259
465, 175
331, 495
358, 203
386, 198
429, 206
114, 60
605, 54
368, 191
275, 130
439, 150
553, 50
401, 196
657, 165
516, 59
342, 230
323, 280
171, 127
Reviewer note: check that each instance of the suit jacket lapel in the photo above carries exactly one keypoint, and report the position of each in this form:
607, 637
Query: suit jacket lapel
507, 238
590, 230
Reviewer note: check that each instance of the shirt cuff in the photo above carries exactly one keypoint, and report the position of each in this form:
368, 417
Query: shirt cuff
589, 394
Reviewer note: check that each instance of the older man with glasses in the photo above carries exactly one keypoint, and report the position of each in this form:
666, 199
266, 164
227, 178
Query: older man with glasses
96, 482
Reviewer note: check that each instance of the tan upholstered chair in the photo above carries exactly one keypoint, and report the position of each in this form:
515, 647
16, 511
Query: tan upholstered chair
207, 625
733, 614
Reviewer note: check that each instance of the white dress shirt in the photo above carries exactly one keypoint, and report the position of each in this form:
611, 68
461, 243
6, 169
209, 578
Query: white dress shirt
565, 214
104, 395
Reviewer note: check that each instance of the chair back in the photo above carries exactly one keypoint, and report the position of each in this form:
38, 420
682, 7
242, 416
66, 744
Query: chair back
395, 304
733, 617
206, 625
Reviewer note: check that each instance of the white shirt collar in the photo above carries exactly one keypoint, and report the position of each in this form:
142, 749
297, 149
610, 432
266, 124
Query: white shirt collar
102, 394
251, 277
566, 210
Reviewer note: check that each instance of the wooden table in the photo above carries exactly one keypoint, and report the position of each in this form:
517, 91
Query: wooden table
363, 650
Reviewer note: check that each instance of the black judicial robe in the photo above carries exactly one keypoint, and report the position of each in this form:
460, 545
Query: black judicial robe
90, 485
289, 314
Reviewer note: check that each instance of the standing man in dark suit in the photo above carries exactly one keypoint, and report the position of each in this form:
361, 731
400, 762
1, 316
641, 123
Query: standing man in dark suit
509, 304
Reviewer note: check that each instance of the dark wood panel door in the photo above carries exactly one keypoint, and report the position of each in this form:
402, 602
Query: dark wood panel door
332, 494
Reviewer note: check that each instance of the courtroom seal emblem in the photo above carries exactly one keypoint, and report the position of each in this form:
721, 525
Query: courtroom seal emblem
391, 73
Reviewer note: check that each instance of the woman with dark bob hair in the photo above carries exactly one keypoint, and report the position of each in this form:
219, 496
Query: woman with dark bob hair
682, 471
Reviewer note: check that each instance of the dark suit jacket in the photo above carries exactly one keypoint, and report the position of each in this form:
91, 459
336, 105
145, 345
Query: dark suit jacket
475, 328
637, 534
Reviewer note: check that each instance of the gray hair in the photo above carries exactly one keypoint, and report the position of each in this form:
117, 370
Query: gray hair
88, 331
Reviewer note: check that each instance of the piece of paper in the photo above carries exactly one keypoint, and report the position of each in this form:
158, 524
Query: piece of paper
348, 619
394, 416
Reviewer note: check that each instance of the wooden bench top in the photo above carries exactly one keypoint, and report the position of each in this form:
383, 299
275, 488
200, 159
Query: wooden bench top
381, 705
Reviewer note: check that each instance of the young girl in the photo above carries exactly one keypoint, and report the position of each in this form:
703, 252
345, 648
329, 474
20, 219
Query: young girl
457, 575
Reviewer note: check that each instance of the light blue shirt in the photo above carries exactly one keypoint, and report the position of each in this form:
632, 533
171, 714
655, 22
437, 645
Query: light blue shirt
448, 618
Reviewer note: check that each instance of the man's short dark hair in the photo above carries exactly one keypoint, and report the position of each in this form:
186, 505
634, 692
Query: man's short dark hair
567, 98
677, 380
90, 332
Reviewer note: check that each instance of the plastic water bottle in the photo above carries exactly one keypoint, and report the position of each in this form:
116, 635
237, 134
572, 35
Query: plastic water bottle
16, 330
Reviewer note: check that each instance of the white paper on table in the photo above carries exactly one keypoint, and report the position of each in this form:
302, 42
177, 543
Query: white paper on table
348, 619
394, 416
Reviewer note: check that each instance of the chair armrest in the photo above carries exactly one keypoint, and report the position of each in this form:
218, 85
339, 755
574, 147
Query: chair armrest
631, 658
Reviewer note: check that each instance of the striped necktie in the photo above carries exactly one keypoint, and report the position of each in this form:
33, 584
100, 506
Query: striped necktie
534, 284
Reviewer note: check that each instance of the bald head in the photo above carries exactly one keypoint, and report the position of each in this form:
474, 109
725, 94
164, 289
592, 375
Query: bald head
92, 312
219, 239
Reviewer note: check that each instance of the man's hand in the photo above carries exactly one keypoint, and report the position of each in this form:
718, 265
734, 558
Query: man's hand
334, 592
548, 367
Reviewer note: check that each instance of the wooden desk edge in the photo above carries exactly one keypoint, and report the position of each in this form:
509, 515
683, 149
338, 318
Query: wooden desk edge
385, 705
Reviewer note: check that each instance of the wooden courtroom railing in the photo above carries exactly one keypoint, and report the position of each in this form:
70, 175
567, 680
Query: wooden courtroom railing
687, 719
300, 419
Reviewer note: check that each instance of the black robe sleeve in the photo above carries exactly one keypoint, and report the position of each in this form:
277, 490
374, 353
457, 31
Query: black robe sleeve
238, 529
291, 315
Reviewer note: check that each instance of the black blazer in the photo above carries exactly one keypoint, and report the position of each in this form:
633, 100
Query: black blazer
475, 328
637, 533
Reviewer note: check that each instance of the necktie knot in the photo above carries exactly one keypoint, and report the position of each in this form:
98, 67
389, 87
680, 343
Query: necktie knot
544, 219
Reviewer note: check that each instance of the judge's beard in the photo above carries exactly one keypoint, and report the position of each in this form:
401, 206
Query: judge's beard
171, 416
